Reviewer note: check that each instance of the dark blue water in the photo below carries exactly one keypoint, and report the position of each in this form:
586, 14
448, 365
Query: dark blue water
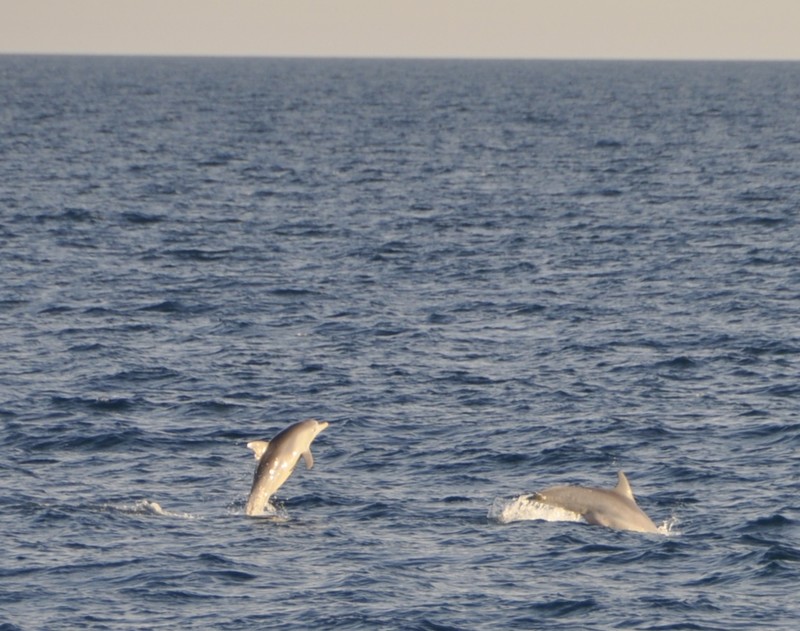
489, 277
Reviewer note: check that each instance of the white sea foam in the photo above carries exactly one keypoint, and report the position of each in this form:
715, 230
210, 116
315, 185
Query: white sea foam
523, 508
669, 527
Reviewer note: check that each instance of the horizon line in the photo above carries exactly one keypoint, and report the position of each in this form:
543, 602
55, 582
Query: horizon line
387, 57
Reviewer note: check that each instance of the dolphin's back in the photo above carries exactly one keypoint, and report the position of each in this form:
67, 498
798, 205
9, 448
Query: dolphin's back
613, 508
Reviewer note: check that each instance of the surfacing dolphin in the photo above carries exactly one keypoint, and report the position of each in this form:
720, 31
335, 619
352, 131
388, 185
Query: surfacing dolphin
277, 459
613, 508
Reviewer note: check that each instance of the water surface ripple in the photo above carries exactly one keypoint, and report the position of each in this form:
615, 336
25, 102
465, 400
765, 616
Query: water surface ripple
489, 277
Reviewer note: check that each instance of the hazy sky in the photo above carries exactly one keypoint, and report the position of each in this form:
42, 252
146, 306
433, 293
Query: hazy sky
674, 29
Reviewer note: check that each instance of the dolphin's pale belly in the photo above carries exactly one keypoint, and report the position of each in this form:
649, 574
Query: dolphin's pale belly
266, 483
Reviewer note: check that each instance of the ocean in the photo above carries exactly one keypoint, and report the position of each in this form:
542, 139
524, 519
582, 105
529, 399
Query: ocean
489, 277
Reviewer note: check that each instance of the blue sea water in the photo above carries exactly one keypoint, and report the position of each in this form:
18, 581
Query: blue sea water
489, 277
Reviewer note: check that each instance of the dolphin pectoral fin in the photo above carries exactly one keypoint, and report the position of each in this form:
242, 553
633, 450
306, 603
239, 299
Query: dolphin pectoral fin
623, 486
596, 519
308, 458
258, 447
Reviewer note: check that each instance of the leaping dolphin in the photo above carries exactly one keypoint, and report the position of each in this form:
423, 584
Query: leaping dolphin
613, 508
277, 459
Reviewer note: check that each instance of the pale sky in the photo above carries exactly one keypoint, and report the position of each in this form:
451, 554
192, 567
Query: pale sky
530, 29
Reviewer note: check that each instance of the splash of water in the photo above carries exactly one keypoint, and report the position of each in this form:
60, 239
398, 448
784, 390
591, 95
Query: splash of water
147, 507
524, 508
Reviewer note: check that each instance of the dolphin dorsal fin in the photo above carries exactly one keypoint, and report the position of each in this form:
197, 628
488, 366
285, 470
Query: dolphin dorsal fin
258, 447
308, 458
623, 486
